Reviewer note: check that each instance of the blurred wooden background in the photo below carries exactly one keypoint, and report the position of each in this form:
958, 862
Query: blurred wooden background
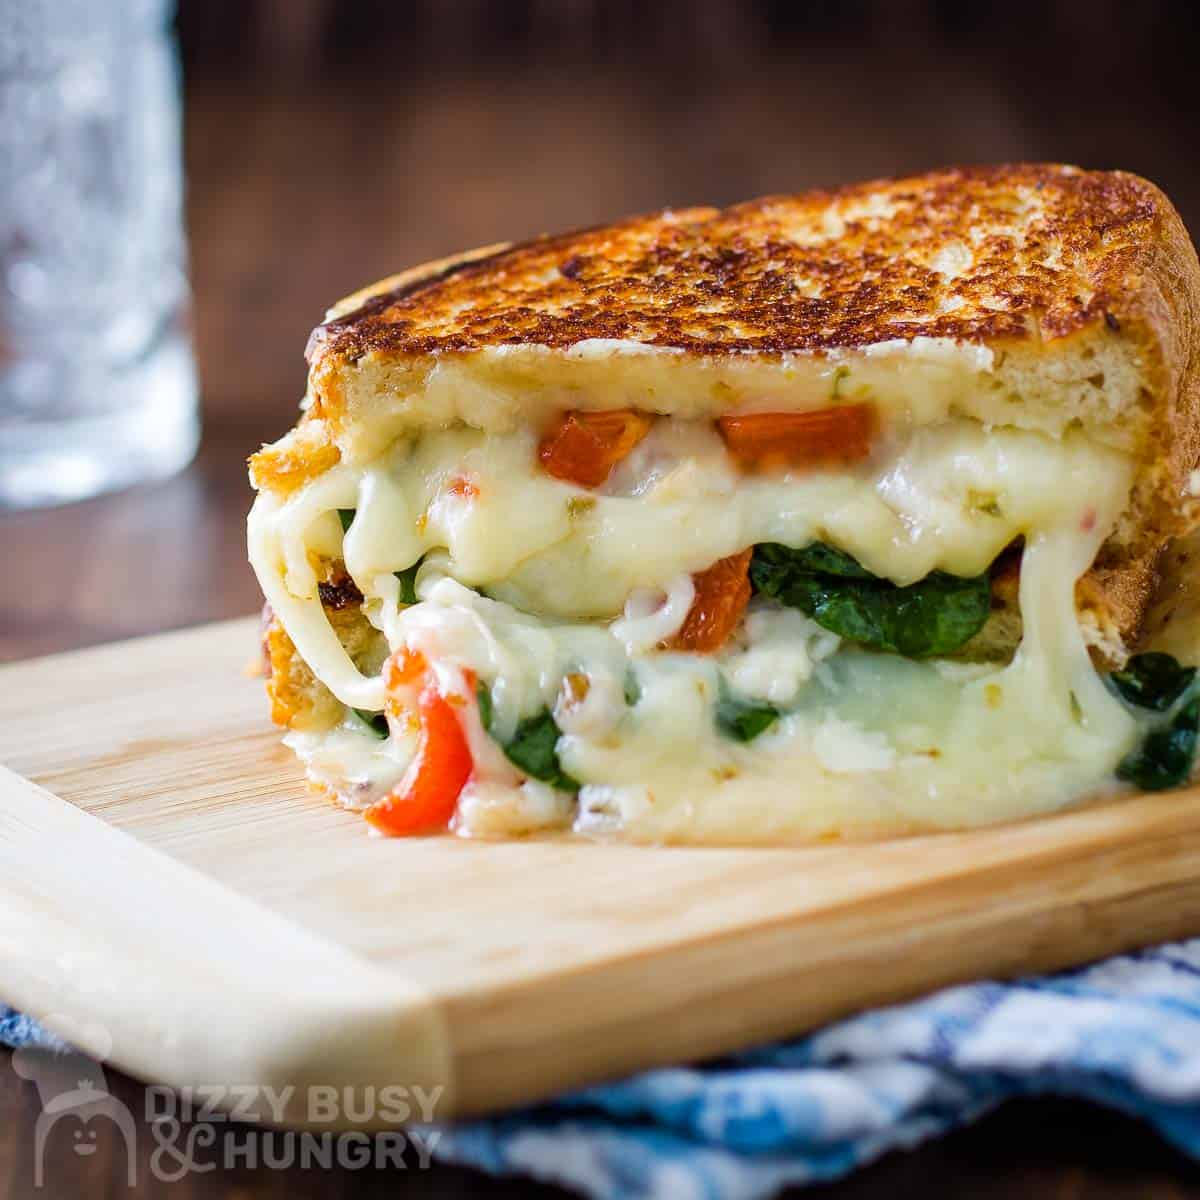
331, 143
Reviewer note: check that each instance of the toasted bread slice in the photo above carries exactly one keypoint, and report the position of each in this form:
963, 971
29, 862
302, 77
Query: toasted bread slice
1036, 296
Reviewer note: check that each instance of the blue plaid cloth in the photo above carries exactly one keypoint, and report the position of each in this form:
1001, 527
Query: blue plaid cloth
1125, 1032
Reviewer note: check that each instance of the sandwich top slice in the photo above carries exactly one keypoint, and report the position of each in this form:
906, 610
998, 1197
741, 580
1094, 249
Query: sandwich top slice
821, 515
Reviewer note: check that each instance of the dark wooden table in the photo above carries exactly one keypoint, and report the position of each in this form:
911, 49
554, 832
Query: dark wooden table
300, 193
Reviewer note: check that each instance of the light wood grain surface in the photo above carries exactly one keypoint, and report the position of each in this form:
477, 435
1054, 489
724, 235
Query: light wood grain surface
513, 970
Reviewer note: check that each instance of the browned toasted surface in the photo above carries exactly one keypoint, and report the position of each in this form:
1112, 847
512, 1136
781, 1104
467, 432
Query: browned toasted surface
1113, 601
983, 253
1120, 596
290, 463
299, 700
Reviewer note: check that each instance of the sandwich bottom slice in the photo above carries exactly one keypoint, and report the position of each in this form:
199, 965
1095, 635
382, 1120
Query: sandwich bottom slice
723, 618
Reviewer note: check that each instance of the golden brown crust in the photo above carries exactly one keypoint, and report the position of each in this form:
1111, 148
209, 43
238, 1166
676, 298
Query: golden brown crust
1034, 258
1165, 320
1112, 602
1022, 252
299, 700
1118, 598
418, 274
1173, 623
288, 464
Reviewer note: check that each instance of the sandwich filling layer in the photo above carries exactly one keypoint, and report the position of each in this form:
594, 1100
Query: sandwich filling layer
700, 637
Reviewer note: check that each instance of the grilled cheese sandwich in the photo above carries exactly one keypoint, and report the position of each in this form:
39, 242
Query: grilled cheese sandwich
823, 515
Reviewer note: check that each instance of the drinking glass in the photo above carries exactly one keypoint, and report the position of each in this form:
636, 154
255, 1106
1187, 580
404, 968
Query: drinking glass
97, 380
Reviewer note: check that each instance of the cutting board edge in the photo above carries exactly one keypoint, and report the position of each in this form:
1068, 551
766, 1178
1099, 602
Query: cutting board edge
201, 1003
864, 964
688, 991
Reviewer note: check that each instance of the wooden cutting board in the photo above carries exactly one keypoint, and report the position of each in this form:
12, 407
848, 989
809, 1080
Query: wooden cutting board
173, 895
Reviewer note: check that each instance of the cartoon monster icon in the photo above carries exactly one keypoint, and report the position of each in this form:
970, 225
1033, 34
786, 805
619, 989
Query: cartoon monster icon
72, 1085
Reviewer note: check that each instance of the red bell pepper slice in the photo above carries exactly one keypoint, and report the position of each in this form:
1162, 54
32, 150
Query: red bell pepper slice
585, 446
823, 437
722, 593
425, 799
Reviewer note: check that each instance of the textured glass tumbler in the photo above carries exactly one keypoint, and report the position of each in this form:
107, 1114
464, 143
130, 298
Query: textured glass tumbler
97, 380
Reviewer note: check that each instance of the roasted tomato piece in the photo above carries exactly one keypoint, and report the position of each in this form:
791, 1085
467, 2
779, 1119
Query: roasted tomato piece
425, 799
774, 441
585, 446
405, 667
464, 489
722, 593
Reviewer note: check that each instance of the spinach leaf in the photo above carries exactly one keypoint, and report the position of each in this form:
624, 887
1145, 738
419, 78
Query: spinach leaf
743, 720
346, 516
937, 615
483, 696
376, 722
1153, 680
533, 750
1164, 759
532, 747
774, 564
408, 582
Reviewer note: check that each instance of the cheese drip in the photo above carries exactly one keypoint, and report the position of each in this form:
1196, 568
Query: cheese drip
866, 741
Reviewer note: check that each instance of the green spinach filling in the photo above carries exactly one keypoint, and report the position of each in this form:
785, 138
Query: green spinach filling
1153, 680
533, 745
376, 722
1159, 683
408, 582
743, 720
935, 616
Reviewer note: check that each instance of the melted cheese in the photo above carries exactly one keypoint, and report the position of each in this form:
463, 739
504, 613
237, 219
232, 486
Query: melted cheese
592, 582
